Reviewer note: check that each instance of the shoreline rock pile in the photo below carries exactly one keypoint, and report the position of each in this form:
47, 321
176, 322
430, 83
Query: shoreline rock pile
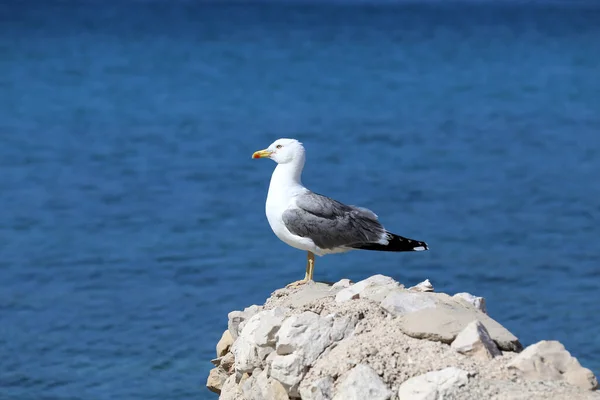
377, 340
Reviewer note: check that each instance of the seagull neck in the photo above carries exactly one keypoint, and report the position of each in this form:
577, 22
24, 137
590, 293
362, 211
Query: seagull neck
290, 173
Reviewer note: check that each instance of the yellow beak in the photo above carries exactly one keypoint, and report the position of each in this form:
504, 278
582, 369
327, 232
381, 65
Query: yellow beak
262, 154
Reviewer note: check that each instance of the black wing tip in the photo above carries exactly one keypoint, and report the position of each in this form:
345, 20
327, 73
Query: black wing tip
396, 243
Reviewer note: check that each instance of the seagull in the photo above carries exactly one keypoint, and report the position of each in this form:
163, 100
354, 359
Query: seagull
315, 223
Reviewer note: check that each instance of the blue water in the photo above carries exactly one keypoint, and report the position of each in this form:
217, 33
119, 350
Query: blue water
132, 217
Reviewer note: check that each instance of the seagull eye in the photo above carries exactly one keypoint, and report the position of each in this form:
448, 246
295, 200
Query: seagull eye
278, 146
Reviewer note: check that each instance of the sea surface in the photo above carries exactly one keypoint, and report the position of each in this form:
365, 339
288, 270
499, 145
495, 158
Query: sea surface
132, 216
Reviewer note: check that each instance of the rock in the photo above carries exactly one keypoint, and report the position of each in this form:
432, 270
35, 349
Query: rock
355, 291
307, 332
402, 302
475, 341
269, 323
309, 293
418, 318
435, 385
216, 379
260, 387
341, 284
477, 302
230, 390
227, 361
549, 360
424, 286
288, 370
321, 389
237, 319
362, 383
304, 343
257, 339
342, 327
224, 344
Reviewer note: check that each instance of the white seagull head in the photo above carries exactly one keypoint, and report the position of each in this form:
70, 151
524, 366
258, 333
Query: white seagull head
282, 151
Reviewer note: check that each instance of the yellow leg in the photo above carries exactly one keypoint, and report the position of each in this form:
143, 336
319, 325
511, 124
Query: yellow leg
310, 266
310, 269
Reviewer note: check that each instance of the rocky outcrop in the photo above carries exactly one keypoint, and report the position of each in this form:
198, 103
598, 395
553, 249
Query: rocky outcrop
376, 340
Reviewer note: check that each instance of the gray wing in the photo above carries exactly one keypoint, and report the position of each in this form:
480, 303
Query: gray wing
331, 224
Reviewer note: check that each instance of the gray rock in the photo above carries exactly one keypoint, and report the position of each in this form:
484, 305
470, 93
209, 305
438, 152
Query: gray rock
309, 293
444, 321
320, 389
477, 302
362, 383
435, 385
356, 290
402, 302
549, 360
475, 341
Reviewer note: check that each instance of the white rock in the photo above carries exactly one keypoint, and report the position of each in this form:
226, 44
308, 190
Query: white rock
237, 319
257, 339
260, 387
230, 390
342, 327
320, 389
307, 332
355, 290
362, 383
549, 360
289, 371
475, 341
424, 286
268, 326
435, 385
404, 302
477, 302
341, 284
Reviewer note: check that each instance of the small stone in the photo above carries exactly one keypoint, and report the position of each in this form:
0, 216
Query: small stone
320, 389
216, 379
362, 383
549, 360
341, 284
224, 343
435, 385
477, 302
424, 286
475, 341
